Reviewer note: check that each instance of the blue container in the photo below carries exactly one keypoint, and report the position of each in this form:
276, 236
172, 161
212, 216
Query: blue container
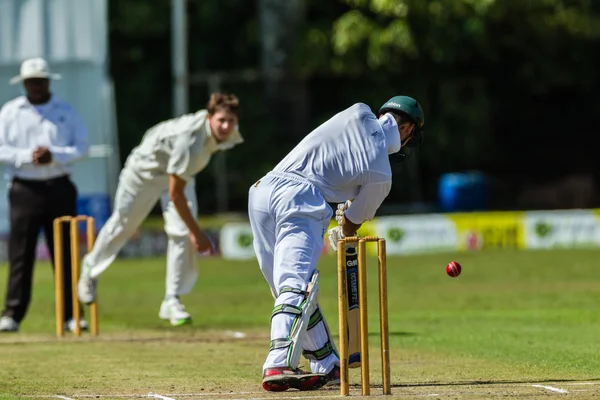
94, 205
463, 192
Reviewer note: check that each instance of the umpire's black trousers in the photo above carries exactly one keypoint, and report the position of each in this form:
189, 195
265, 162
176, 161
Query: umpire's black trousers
33, 206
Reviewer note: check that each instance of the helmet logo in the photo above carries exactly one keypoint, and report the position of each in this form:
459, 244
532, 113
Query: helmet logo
391, 103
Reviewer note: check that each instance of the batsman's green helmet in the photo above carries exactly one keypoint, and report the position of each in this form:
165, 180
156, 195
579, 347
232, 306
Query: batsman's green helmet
410, 107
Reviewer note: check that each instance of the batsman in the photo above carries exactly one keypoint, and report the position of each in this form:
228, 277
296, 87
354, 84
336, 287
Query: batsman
347, 157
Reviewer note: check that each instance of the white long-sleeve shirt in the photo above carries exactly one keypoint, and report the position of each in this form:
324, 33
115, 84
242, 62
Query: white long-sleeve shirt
181, 146
24, 127
347, 157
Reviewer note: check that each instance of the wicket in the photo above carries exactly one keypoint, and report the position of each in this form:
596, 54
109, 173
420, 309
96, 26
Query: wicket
59, 272
364, 330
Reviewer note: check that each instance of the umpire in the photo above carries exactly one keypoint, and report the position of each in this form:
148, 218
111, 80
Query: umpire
40, 137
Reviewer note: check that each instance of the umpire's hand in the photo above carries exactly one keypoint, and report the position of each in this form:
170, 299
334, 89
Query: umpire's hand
42, 155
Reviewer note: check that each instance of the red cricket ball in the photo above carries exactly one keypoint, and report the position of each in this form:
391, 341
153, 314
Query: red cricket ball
453, 269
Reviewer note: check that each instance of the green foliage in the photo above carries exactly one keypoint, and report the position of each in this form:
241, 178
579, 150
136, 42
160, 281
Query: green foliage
459, 57
440, 30
492, 75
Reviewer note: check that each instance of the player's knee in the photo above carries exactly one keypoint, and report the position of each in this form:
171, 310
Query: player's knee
292, 296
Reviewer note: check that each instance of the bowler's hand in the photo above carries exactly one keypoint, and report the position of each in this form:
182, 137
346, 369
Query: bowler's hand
42, 155
202, 243
335, 235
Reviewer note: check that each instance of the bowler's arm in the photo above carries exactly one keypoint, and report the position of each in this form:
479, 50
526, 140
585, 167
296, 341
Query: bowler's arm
177, 169
180, 201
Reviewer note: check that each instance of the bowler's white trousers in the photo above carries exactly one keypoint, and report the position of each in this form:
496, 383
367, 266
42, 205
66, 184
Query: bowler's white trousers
134, 200
289, 217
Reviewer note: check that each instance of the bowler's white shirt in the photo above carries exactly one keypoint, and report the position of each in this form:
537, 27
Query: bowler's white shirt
25, 127
181, 146
347, 157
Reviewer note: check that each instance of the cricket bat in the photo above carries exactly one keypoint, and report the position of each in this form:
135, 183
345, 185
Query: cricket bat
353, 307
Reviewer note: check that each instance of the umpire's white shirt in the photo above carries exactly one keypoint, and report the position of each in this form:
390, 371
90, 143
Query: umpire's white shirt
347, 157
25, 127
182, 146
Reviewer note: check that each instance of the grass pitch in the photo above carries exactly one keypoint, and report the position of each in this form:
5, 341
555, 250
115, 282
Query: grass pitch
512, 320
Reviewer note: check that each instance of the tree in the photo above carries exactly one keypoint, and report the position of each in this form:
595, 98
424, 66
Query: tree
485, 70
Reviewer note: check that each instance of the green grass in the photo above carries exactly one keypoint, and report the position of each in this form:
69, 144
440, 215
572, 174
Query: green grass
510, 320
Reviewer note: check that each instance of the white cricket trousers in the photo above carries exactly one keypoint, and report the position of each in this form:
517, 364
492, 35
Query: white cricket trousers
289, 218
134, 200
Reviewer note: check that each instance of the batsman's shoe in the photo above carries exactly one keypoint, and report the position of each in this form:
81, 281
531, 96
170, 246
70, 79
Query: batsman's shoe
172, 310
333, 376
282, 379
8, 324
70, 325
86, 287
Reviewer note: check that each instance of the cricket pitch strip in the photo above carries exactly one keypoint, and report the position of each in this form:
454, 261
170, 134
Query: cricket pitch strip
467, 390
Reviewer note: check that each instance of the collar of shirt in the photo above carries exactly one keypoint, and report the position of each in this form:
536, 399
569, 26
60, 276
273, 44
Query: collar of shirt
22, 102
392, 134
234, 138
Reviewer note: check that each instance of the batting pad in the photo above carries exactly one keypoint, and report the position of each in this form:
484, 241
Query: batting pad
302, 315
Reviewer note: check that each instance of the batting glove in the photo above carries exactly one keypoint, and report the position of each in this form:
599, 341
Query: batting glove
335, 235
341, 209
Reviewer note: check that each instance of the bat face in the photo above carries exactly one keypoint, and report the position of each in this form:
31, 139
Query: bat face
353, 308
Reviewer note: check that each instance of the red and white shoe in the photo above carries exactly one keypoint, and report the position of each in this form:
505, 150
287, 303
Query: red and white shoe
333, 377
282, 379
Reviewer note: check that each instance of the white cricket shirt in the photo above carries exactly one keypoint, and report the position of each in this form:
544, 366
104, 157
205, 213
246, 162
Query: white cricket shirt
25, 127
181, 146
347, 157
